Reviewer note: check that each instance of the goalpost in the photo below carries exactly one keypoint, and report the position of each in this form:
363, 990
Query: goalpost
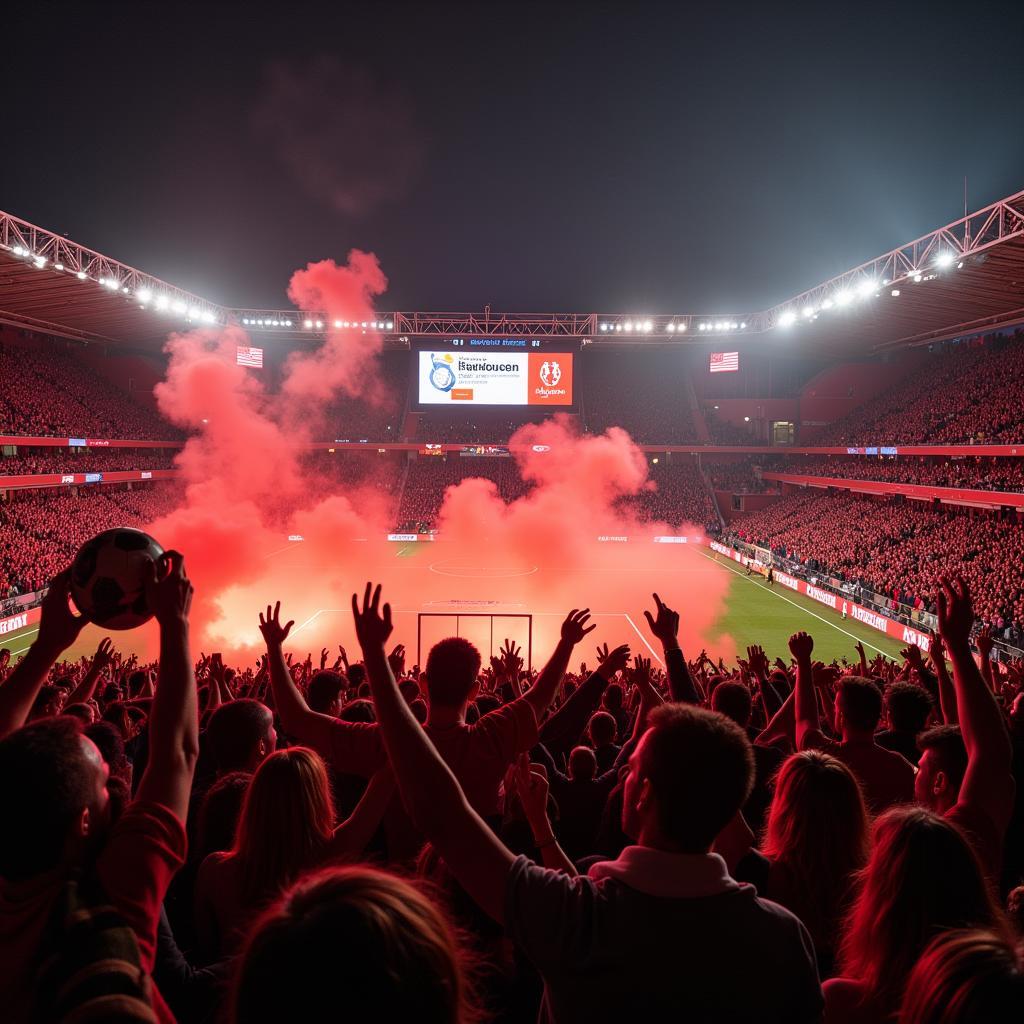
487, 630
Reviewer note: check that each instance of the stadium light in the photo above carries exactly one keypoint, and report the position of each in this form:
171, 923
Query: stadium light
867, 288
143, 295
648, 326
743, 327
844, 298
681, 327
917, 278
162, 302
81, 275
19, 251
179, 307
391, 325
39, 261
808, 311
671, 328
319, 325
337, 324
895, 293
629, 325
208, 317
308, 324
746, 419
827, 304
58, 266
787, 318
944, 259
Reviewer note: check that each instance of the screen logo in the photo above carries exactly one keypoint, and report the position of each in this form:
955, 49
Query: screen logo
550, 373
442, 376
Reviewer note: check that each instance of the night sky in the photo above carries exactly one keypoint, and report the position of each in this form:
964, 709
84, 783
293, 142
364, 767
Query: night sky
636, 157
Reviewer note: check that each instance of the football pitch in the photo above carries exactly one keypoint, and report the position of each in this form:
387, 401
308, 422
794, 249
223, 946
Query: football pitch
436, 587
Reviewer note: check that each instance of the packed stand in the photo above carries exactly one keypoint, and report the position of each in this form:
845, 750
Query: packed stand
972, 472
681, 496
736, 477
967, 393
900, 549
48, 393
316, 837
40, 530
481, 429
348, 418
429, 477
91, 460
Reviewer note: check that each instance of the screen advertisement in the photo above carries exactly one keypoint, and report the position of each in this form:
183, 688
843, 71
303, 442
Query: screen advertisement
494, 378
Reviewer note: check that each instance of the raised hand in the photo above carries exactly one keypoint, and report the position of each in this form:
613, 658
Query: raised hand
757, 660
343, 656
373, 624
801, 645
169, 590
510, 656
396, 659
104, 653
270, 626
956, 615
666, 626
323, 659
912, 655
575, 627
984, 641
641, 674
615, 660
532, 786
59, 626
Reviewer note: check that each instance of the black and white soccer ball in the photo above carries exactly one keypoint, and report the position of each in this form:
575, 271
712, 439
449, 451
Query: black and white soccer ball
108, 577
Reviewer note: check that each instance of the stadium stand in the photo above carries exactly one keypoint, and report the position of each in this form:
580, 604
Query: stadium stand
67, 460
975, 472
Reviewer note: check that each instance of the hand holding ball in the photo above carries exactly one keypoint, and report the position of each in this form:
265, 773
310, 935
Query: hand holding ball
108, 578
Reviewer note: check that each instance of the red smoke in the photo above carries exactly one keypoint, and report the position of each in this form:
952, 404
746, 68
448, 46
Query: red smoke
247, 491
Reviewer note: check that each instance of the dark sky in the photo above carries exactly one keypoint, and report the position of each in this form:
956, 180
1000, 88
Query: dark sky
638, 157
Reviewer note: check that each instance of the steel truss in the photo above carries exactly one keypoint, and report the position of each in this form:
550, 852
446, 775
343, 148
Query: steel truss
967, 239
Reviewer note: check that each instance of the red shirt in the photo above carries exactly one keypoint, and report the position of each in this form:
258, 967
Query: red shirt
144, 850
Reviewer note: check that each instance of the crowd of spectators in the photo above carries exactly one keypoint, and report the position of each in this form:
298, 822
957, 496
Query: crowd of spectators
89, 460
900, 549
351, 418
973, 472
40, 530
736, 477
47, 392
965, 393
681, 496
430, 476
476, 428
316, 838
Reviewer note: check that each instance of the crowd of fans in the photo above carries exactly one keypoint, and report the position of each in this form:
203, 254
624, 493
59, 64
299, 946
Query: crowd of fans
966, 393
47, 392
737, 477
681, 496
470, 428
316, 837
357, 418
40, 530
90, 460
900, 549
973, 472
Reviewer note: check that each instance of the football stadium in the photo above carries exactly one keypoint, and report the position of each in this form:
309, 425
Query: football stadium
360, 660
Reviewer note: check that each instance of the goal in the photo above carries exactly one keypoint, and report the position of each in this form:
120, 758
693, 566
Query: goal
486, 630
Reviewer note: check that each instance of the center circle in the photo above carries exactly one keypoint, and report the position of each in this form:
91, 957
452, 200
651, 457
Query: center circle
480, 572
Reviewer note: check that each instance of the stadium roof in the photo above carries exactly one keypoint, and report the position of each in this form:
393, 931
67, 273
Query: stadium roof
964, 278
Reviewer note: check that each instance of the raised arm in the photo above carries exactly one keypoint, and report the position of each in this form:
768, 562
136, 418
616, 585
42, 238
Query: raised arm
352, 835
174, 717
988, 782
58, 630
808, 730
296, 717
665, 626
430, 792
863, 667
542, 693
87, 687
532, 787
947, 692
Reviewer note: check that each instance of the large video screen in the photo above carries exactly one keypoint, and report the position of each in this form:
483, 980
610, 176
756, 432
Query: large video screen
494, 378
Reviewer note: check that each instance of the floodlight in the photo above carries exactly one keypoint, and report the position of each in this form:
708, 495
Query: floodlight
671, 327
866, 288
81, 275
308, 324
143, 295
787, 318
944, 259
844, 298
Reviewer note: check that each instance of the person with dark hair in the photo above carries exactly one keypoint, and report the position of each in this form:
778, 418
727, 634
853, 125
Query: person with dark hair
219, 814
602, 730
966, 977
65, 953
666, 911
973, 789
885, 777
323, 695
922, 879
287, 826
480, 753
907, 707
240, 734
110, 744
357, 944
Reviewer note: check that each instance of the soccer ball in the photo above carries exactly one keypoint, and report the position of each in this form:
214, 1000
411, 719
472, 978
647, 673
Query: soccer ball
108, 577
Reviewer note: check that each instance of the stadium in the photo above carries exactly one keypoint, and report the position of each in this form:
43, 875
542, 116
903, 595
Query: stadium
362, 659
